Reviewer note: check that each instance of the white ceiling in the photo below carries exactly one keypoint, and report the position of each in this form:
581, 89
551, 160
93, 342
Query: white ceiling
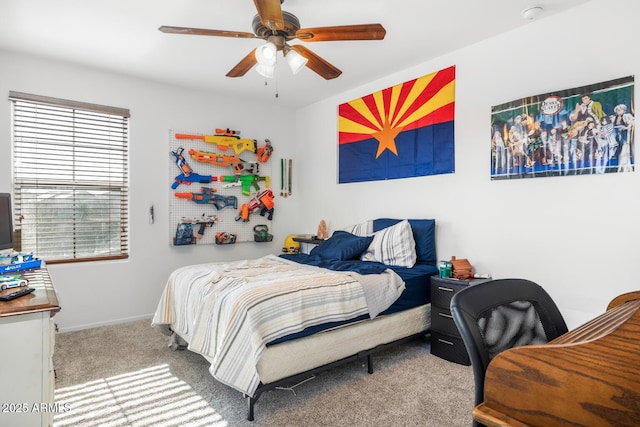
122, 36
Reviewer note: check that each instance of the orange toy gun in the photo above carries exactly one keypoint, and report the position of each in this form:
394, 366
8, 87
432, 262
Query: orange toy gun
243, 213
265, 151
263, 201
237, 163
223, 141
225, 238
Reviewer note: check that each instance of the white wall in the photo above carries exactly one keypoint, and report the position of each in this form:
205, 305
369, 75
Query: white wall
576, 236
93, 293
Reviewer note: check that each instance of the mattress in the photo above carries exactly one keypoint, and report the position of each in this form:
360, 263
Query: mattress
416, 293
300, 355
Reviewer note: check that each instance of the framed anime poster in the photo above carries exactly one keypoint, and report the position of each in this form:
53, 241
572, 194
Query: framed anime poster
584, 130
399, 132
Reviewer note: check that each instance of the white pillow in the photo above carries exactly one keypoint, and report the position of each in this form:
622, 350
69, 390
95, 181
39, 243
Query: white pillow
362, 229
393, 246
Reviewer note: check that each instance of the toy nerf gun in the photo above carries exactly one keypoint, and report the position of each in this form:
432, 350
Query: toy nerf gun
181, 163
184, 235
245, 181
194, 177
225, 238
236, 163
263, 201
187, 175
202, 222
265, 151
261, 233
207, 197
224, 139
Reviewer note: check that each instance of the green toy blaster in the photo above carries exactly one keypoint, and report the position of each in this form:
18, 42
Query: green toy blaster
245, 181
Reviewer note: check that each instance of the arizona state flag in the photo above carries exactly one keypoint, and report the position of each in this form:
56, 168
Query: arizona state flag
399, 132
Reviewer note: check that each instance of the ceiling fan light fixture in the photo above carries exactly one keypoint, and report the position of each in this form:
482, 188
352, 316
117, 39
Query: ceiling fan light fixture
267, 71
266, 54
276, 27
295, 61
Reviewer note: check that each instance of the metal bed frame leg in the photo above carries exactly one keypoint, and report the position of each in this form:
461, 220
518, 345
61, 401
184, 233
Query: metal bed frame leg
251, 401
370, 363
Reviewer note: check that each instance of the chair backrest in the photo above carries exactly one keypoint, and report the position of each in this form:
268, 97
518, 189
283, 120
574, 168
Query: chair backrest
496, 315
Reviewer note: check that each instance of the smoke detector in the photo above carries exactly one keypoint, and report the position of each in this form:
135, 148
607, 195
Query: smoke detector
532, 12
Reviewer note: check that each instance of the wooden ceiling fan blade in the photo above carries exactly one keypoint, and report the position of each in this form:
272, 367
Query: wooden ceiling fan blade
270, 13
205, 32
317, 64
342, 32
244, 65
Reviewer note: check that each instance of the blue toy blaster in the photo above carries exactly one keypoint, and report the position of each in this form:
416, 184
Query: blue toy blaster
187, 175
207, 197
193, 177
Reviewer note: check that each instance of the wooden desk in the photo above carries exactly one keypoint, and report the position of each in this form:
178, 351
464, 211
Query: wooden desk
44, 297
27, 337
589, 376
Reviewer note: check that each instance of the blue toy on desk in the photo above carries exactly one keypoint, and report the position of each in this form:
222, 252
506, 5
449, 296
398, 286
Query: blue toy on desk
20, 262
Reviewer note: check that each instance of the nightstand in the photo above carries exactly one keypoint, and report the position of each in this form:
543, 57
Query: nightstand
306, 240
445, 338
310, 240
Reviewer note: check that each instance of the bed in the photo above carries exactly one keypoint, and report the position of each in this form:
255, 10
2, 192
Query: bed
277, 320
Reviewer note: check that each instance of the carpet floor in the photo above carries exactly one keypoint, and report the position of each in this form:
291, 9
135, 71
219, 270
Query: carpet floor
125, 375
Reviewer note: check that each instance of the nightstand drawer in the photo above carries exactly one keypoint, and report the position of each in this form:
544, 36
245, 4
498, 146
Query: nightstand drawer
449, 348
442, 292
442, 321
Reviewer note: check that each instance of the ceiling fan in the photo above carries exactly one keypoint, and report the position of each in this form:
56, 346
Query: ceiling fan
278, 27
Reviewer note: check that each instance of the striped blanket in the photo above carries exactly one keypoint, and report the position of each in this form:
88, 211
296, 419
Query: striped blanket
228, 312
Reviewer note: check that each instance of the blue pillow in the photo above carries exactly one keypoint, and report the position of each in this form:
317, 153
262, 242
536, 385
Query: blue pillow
342, 245
424, 234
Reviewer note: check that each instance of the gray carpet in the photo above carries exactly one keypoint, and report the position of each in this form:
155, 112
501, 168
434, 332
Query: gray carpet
125, 375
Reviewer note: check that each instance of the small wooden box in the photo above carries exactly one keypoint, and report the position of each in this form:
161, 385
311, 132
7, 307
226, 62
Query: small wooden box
462, 268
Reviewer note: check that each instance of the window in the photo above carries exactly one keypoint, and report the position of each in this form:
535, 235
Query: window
70, 179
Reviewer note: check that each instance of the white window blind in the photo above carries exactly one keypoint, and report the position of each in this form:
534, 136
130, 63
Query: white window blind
70, 179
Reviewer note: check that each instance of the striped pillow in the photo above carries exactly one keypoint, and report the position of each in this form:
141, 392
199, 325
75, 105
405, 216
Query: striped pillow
393, 246
362, 229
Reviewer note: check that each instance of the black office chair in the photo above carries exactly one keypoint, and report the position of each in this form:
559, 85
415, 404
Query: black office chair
500, 314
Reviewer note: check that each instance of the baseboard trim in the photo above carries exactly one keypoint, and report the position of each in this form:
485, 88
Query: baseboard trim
106, 323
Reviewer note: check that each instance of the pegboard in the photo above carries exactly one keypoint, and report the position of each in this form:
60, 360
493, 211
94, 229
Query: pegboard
209, 186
